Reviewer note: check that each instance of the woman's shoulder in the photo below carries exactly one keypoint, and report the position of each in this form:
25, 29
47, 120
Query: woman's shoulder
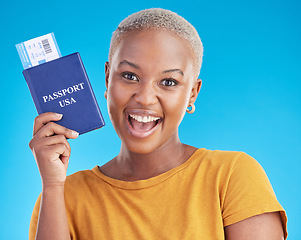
224, 158
81, 179
79, 175
226, 166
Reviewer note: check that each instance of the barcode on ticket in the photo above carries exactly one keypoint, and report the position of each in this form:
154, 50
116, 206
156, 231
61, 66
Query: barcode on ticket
38, 50
46, 46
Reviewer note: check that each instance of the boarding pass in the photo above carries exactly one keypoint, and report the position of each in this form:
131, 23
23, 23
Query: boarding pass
38, 50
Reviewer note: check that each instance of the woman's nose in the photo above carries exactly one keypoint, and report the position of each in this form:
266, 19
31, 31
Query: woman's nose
146, 94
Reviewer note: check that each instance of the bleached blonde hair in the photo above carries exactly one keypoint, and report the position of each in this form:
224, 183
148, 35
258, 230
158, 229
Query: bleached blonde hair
156, 18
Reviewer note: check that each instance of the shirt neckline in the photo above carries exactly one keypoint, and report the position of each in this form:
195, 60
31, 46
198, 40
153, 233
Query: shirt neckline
140, 184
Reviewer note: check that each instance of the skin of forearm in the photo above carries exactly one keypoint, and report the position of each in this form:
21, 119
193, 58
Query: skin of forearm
53, 222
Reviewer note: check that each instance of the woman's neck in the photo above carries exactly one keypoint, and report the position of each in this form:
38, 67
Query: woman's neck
130, 166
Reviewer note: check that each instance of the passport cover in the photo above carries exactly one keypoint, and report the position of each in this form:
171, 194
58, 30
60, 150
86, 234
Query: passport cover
63, 86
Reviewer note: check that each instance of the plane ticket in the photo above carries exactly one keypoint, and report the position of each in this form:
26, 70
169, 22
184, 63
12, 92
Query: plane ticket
38, 50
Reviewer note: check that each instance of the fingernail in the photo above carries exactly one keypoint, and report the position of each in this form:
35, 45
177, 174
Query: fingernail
59, 115
74, 133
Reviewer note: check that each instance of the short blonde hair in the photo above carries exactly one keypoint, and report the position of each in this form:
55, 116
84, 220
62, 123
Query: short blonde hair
160, 18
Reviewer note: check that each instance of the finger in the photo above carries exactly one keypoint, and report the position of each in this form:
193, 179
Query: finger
43, 119
52, 128
65, 154
56, 139
59, 152
65, 160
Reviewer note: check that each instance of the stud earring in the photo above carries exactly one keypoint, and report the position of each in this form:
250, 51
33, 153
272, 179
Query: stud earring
106, 94
191, 105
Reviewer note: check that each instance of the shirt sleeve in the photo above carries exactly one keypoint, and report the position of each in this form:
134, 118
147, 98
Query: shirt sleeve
34, 220
249, 193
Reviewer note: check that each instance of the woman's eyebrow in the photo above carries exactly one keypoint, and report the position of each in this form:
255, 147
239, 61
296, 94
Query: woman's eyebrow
137, 67
174, 70
129, 63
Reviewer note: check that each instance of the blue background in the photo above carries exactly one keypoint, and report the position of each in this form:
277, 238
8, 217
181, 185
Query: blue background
250, 99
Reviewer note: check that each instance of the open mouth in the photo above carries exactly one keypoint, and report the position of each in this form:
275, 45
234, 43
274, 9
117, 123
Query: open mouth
142, 126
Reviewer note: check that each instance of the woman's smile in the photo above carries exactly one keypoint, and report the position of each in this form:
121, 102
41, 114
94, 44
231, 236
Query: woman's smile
142, 123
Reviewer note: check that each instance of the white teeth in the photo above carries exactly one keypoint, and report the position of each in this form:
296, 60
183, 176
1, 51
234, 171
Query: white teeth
144, 119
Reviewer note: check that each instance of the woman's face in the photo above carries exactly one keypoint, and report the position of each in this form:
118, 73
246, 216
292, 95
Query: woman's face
150, 83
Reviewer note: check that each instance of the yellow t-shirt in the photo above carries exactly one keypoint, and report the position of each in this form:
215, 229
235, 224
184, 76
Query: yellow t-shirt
195, 200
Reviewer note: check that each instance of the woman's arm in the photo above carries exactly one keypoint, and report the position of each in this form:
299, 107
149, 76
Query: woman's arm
53, 223
52, 151
265, 226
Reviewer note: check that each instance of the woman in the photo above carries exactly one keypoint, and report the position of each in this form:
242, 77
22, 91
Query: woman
156, 187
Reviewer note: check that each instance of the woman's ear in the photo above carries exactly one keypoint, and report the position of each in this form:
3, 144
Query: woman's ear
195, 90
107, 73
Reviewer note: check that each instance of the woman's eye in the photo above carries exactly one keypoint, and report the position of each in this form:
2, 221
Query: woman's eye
169, 82
130, 76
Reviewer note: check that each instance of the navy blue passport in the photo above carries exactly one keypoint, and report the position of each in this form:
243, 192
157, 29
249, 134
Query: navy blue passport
63, 86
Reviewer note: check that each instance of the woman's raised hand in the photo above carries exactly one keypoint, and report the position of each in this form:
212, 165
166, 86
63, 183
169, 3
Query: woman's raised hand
50, 148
